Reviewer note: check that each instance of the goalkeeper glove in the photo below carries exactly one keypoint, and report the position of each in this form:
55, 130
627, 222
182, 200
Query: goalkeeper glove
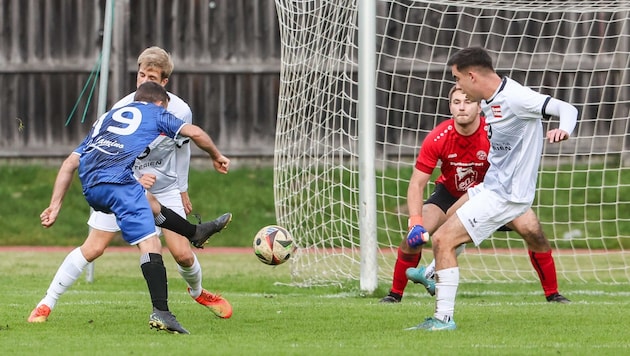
417, 234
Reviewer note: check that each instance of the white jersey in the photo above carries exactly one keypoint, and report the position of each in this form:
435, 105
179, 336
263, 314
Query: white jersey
168, 159
514, 116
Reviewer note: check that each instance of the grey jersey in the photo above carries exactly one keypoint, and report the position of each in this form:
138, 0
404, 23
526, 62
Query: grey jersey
168, 159
514, 116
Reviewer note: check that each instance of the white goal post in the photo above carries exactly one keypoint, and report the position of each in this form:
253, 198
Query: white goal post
574, 50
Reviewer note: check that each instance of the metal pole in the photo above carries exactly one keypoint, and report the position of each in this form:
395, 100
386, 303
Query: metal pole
102, 89
105, 53
367, 138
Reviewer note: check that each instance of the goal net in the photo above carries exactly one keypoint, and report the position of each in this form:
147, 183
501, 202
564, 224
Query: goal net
577, 51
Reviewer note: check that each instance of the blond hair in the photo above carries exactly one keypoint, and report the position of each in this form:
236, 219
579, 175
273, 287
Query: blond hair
156, 57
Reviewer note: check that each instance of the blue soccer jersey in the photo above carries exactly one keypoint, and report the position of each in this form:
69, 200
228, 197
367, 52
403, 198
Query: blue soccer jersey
167, 159
118, 137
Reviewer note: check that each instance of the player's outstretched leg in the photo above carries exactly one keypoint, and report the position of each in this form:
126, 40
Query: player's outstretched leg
206, 230
196, 234
165, 320
418, 275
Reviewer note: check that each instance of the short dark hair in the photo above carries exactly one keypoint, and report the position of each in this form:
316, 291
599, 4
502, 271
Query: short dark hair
471, 57
151, 92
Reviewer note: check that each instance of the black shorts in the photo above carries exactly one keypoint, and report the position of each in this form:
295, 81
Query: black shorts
441, 197
444, 200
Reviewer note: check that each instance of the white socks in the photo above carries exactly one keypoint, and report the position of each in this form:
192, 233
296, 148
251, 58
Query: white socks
192, 276
446, 285
429, 273
74, 264
69, 271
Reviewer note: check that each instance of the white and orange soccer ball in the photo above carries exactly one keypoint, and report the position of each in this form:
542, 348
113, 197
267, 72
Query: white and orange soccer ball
273, 245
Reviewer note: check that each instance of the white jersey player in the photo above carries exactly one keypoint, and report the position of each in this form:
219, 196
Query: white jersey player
513, 114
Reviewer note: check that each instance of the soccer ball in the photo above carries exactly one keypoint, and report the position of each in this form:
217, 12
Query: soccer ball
273, 245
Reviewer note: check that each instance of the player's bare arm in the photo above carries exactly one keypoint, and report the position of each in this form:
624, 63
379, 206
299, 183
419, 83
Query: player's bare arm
182, 167
203, 141
221, 164
417, 184
417, 234
62, 184
186, 202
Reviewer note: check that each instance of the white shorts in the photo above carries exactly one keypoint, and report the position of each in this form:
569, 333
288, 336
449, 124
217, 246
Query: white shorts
107, 222
485, 212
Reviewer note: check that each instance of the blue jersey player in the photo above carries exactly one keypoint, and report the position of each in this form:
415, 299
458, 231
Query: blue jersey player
107, 156
163, 171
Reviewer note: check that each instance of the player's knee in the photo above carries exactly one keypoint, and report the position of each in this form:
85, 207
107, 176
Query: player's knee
537, 242
184, 259
440, 242
90, 252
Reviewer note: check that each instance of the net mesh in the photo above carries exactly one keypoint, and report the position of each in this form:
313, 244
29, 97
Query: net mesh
576, 51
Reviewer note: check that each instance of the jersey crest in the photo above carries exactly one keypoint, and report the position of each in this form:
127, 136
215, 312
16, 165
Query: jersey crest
464, 159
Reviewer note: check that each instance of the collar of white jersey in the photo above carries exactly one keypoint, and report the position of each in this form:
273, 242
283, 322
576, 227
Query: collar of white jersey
500, 89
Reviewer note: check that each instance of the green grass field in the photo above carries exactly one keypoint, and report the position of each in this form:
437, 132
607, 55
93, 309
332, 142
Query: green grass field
26, 189
271, 317
109, 316
248, 193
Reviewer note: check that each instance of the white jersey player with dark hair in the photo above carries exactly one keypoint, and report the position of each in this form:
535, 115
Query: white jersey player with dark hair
163, 169
514, 116
460, 146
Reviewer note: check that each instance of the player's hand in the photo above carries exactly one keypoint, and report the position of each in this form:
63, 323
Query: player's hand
49, 216
221, 164
147, 180
186, 202
557, 135
417, 236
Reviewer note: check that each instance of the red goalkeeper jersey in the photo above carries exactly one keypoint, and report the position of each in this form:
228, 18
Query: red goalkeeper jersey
464, 158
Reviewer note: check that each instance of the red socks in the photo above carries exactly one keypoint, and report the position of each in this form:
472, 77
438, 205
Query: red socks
403, 262
545, 267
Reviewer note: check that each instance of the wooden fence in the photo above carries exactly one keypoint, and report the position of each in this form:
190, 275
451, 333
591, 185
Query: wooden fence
227, 65
226, 54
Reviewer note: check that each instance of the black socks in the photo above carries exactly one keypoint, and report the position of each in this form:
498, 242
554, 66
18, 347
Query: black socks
154, 273
169, 219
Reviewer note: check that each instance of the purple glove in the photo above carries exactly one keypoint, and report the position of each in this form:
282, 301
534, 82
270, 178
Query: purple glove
417, 236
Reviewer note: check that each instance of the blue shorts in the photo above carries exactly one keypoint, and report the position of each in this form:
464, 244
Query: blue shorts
130, 206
